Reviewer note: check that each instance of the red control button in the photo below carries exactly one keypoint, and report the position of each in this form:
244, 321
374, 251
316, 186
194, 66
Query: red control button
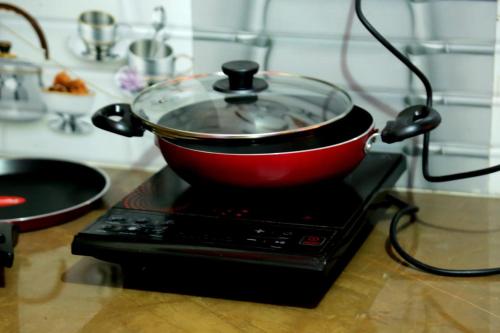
312, 240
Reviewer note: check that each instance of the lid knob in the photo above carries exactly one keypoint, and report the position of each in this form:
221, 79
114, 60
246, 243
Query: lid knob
240, 75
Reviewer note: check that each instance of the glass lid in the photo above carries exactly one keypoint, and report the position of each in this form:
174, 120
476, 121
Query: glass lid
242, 104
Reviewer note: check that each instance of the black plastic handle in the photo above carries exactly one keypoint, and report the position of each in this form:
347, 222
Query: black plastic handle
127, 125
240, 77
8, 240
240, 74
410, 122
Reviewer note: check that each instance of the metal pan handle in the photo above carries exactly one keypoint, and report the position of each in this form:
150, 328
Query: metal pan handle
127, 124
371, 140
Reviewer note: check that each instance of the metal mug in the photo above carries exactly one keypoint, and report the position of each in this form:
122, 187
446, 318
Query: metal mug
97, 29
155, 60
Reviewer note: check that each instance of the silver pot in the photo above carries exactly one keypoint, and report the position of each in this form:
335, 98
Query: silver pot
20, 91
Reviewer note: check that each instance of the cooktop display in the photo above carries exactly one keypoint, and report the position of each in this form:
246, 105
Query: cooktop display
171, 229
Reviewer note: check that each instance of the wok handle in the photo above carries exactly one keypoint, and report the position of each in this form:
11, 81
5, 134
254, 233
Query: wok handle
127, 124
412, 121
371, 140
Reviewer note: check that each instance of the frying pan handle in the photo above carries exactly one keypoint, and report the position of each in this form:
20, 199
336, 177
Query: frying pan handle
8, 239
126, 125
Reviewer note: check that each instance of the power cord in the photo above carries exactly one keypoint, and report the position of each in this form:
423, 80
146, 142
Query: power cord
404, 208
407, 209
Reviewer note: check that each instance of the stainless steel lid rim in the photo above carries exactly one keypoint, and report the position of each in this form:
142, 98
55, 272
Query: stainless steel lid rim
158, 94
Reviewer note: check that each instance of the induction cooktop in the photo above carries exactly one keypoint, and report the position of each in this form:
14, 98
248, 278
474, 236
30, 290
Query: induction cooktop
276, 246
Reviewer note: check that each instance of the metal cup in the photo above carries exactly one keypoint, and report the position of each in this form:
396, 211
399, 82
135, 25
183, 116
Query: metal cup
151, 58
154, 60
97, 29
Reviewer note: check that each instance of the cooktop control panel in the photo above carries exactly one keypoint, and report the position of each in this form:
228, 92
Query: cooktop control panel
169, 231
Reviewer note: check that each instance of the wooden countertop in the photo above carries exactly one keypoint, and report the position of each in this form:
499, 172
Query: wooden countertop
375, 293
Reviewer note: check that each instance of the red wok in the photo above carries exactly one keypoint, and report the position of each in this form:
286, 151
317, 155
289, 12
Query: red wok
294, 162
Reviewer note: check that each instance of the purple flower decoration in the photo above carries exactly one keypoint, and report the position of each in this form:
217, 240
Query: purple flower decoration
130, 80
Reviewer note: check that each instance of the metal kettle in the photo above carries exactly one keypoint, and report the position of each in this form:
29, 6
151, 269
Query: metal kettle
21, 81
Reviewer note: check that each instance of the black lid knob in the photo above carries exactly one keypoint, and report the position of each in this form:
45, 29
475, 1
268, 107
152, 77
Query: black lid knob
240, 74
240, 77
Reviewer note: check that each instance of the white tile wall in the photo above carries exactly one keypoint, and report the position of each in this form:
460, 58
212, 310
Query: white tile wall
495, 119
429, 19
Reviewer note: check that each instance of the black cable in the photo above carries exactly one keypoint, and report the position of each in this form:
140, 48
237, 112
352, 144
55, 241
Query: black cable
397, 54
428, 91
412, 210
451, 177
406, 209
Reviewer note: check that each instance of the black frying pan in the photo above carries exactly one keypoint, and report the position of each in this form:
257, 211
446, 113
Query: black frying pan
38, 193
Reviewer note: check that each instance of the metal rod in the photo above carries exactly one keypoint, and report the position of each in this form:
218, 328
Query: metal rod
247, 38
442, 47
454, 149
424, 1
452, 100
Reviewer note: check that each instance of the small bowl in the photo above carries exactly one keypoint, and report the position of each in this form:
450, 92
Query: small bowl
68, 103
